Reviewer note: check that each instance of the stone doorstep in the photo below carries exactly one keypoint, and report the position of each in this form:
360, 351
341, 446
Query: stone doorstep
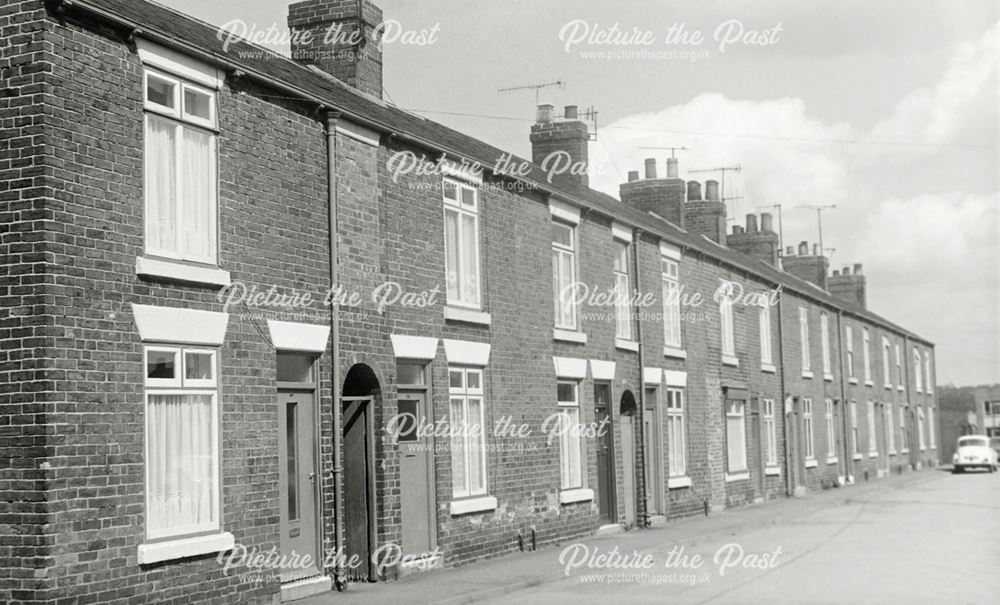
306, 587
609, 529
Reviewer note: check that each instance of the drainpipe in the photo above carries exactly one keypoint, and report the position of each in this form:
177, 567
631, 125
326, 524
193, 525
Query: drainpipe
340, 576
643, 513
784, 395
846, 441
910, 403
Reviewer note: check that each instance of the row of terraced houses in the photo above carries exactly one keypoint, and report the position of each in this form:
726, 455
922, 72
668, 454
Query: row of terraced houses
171, 400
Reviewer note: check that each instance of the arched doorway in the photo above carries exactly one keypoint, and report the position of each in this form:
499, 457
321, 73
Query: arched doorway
360, 397
627, 412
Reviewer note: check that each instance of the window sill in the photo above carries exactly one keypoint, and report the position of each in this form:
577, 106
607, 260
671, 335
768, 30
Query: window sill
473, 505
678, 482
772, 471
675, 353
807, 374
569, 496
904, 451
811, 463
857, 457
920, 391
852, 380
888, 387
467, 315
569, 336
741, 476
627, 345
770, 368
730, 360
873, 454
869, 383
832, 460
900, 389
182, 548
827, 377
892, 452
923, 449
146, 266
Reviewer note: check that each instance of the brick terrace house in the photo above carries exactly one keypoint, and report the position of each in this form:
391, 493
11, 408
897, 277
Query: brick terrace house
152, 421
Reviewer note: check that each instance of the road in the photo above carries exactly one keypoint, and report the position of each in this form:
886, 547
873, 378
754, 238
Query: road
934, 541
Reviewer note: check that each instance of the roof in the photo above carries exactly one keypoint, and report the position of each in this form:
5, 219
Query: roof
187, 34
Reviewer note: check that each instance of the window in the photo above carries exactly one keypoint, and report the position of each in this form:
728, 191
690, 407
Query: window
849, 343
623, 315
890, 433
931, 428
468, 439
899, 367
804, 337
675, 432
570, 455
885, 363
412, 386
807, 421
867, 353
920, 429
564, 273
770, 433
872, 444
902, 430
765, 333
671, 302
736, 437
831, 447
855, 441
824, 335
461, 237
918, 370
726, 314
182, 441
180, 179
928, 383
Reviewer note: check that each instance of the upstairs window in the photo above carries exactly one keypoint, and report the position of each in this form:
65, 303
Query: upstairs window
918, 370
461, 228
899, 367
671, 302
886, 376
849, 345
623, 310
766, 354
564, 274
824, 335
867, 352
804, 338
179, 165
728, 328
928, 382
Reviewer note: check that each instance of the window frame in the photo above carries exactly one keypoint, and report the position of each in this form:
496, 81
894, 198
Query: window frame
728, 325
872, 437
567, 439
831, 447
849, 345
740, 405
764, 321
867, 352
623, 310
462, 210
805, 353
887, 375
809, 429
676, 415
570, 250
855, 432
770, 433
465, 393
824, 335
670, 281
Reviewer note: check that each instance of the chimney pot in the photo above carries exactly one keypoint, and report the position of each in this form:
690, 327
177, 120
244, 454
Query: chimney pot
737, 229
570, 113
633, 175
789, 250
650, 168
672, 168
836, 272
712, 190
803, 248
847, 271
751, 223
857, 268
694, 191
766, 222
544, 115
816, 250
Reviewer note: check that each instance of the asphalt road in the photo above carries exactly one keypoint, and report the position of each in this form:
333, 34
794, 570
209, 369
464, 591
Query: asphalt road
936, 541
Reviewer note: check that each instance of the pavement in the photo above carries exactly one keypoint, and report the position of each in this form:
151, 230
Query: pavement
920, 537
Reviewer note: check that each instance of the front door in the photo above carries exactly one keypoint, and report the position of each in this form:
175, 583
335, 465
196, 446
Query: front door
359, 496
415, 475
605, 454
651, 448
298, 485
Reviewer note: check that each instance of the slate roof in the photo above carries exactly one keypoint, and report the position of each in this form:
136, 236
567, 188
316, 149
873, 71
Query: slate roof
187, 34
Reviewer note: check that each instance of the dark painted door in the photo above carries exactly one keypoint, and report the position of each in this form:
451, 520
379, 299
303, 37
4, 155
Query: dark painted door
605, 454
358, 490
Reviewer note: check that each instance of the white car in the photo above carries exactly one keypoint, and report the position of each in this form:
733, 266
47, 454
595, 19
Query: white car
974, 451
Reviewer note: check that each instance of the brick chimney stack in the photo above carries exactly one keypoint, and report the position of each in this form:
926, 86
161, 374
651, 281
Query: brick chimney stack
550, 135
809, 267
706, 216
341, 40
664, 197
849, 286
761, 244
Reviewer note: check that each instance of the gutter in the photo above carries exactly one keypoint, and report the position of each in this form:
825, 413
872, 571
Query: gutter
340, 576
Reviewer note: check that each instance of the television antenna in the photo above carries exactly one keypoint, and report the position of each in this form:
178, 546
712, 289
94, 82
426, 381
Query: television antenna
538, 87
781, 228
819, 208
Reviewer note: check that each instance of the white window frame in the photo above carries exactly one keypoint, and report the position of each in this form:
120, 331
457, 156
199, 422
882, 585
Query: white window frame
770, 433
561, 281
461, 209
831, 447
890, 428
569, 440
872, 438
855, 436
736, 408
903, 411
670, 276
728, 327
806, 358
179, 386
181, 121
824, 335
928, 383
766, 346
465, 393
899, 366
807, 421
677, 447
887, 376
920, 429
623, 284
849, 345
931, 439
866, 351
918, 367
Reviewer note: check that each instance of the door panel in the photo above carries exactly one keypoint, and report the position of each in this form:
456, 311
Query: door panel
628, 469
357, 490
416, 477
651, 447
298, 492
605, 455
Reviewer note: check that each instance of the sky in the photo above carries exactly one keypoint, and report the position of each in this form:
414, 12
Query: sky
890, 111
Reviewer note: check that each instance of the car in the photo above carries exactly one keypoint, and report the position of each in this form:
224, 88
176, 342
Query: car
974, 451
